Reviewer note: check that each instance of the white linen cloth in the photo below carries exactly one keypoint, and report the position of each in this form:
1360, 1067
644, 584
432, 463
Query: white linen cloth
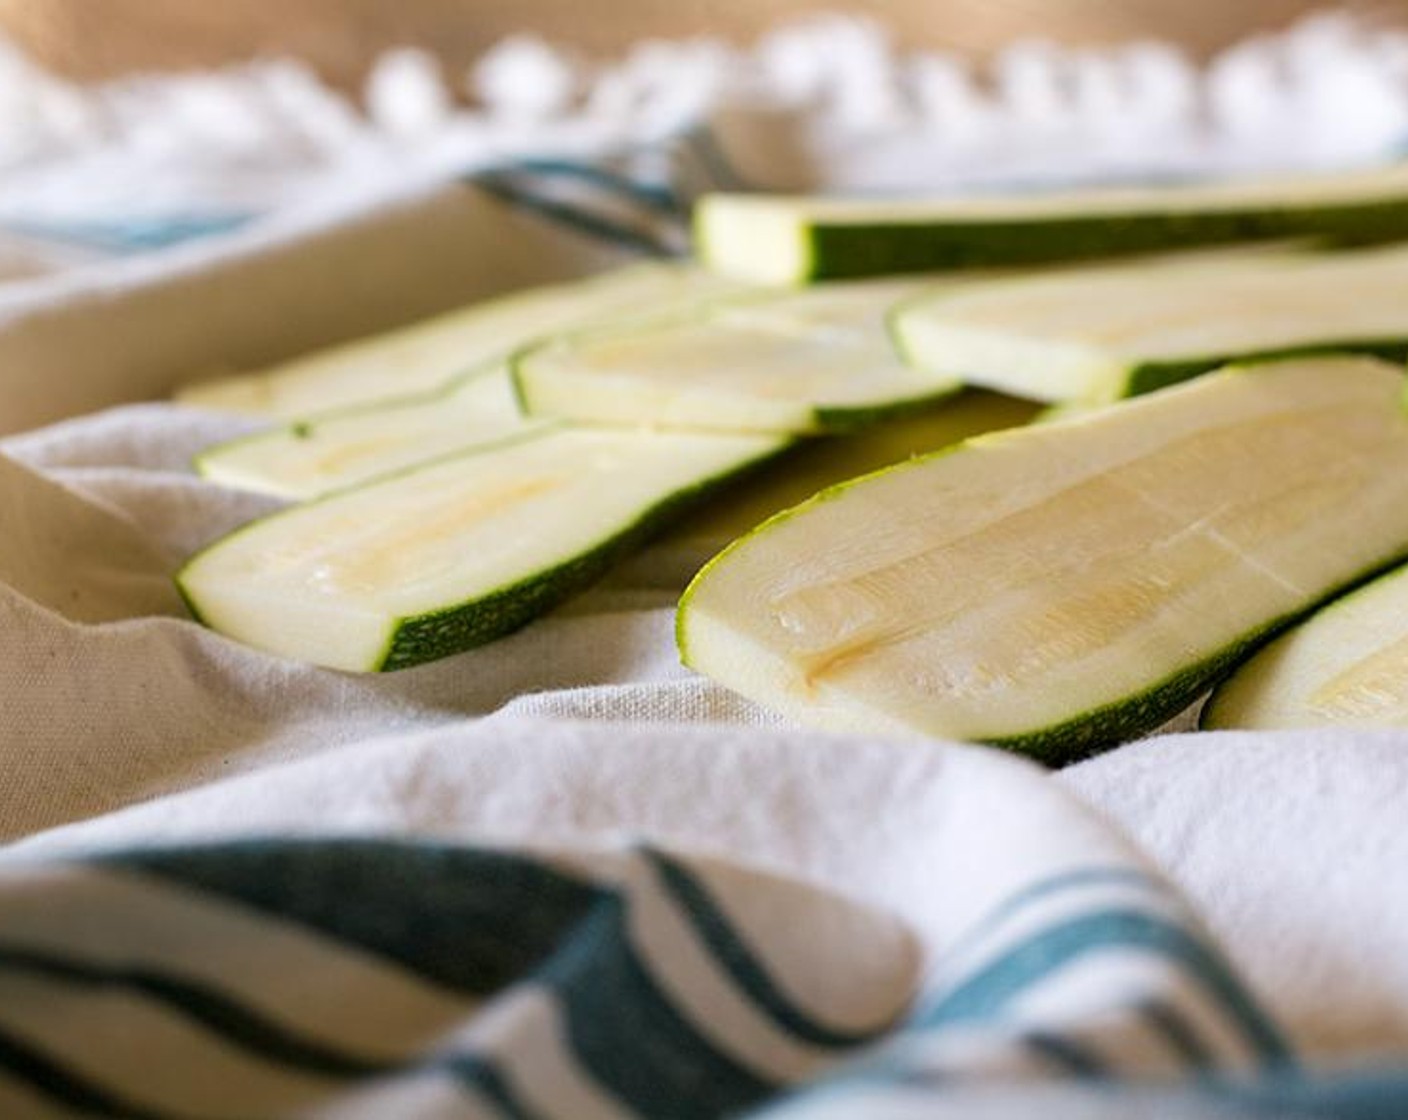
560, 875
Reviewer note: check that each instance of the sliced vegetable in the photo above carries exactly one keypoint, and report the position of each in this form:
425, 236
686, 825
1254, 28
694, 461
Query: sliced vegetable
336, 450
1059, 588
326, 451
1345, 666
774, 239
813, 361
428, 355
1107, 334
455, 553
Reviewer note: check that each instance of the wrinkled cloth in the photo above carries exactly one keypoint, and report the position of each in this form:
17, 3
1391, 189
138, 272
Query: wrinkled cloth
560, 875
193, 824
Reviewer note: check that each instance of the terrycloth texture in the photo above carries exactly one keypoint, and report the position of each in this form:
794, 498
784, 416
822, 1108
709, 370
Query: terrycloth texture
561, 876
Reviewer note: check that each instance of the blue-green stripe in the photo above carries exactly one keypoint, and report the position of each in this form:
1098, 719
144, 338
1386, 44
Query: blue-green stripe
1031, 961
632, 1039
1179, 1034
656, 197
1375, 1095
482, 1075
27, 1065
471, 920
1077, 879
202, 1004
732, 953
575, 218
1067, 1055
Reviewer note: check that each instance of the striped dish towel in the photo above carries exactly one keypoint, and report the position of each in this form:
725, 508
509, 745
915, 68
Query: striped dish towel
384, 978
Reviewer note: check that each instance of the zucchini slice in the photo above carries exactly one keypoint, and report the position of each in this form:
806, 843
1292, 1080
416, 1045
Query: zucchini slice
1345, 666
454, 553
324, 452
773, 239
1108, 334
347, 447
1060, 588
427, 355
807, 362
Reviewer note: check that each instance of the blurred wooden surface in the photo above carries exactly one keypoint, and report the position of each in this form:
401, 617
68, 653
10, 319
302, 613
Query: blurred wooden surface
100, 38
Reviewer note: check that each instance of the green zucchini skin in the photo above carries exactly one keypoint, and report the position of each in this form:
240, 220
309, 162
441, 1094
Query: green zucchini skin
1127, 718
840, 421
458, 627
1148, 377
1214, 715
1092, 732
1104, 728
835, 251
822, 421
810, 416
437, 634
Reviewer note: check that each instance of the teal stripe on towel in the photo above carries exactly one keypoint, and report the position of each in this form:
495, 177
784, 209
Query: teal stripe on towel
1033, 960
1078, 879
484, 1077
479, 919
219, 1013
732, 953
1182, 1039
1065, 1054
630, 1036
1357, 1096
579, 218
483, 920
50, 1078
655, 196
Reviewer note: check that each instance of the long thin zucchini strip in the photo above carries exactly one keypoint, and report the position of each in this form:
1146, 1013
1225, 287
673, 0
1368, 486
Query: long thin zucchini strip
428, 355
762, 340
807, 362
736, 361
1345, 666
1108, 334
453, 553
773, 239
347, 447
1060, 588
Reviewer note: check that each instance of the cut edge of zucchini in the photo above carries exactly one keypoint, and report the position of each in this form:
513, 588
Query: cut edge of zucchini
1056, 743
377, 640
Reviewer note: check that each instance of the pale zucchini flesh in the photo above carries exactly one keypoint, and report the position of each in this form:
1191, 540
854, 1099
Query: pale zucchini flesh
1110, 334
428, 355
772, 239
347, 447
1345, 666
331, 450
457, 552
1061, 588
806, 362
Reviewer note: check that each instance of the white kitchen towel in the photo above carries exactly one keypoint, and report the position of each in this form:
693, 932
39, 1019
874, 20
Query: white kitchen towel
604, 919
560, 876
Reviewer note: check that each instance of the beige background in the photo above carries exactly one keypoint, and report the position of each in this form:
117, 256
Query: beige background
100, 38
